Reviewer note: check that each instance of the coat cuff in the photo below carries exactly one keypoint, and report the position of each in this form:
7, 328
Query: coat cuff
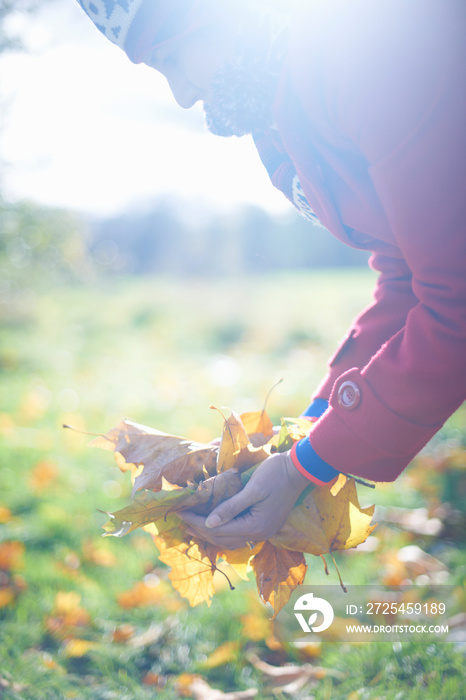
360, 435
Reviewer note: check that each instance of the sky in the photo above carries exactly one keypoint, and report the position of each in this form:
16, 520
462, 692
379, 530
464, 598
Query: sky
84, 128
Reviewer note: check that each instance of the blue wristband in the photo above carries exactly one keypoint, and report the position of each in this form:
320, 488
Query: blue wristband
312, 463
316, 408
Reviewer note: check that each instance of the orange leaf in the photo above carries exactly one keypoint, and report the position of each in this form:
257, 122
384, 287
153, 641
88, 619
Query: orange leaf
67, 615
5, 514
11, 555
153, 679
278, 572
141, 595
7, 596
123, 633
43, 475
98, 555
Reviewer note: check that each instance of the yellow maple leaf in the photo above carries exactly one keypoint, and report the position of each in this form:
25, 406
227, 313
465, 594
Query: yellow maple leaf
191, 572
326, 520
258, 427
234, 439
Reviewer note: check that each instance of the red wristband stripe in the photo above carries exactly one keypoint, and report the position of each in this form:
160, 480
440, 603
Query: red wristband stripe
303, 471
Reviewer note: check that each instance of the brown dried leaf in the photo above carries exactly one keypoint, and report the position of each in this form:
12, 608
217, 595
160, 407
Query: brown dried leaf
194, 686
179, 460
213, 491
292, 677
278, 572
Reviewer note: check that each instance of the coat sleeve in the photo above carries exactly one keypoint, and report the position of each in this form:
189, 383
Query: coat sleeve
375, 325
405, 111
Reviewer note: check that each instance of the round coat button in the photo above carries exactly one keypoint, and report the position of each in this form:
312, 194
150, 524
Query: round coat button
349, 395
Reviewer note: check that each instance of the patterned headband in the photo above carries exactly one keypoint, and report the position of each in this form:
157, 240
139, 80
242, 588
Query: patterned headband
139, 26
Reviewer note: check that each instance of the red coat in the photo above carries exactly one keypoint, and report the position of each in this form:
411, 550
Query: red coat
372, 111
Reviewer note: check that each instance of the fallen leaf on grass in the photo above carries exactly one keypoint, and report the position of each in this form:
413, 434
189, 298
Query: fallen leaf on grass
291, 677
154, 679
123, 633
406, 564
416, 520
7, 596
193, 685
96, 554
142, 595
67, 615
11, 586
14, 686
5, 514
76, 648
256, 628
224, 654
308, 650
44, 474
148, 637
11, 555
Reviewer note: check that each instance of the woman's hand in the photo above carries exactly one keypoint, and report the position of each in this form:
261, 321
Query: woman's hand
258, 511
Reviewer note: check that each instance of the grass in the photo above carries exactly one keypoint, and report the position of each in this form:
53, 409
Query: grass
161, 352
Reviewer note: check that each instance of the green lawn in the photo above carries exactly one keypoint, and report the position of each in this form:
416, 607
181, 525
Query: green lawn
160, 352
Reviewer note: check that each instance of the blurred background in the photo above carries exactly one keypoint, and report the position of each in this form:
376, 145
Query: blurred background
147, 270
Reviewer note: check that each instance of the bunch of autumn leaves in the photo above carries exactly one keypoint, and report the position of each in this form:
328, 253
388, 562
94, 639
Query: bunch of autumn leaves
171, 474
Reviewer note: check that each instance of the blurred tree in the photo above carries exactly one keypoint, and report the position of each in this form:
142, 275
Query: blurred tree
163, 238
40, 248
8, 8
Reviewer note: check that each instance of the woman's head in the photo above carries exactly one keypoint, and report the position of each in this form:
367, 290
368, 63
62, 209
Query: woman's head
226, 54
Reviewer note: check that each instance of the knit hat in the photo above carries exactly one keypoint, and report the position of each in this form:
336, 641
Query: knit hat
140, 26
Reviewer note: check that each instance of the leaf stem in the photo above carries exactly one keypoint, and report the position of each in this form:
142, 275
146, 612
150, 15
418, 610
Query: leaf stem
325, 565
359, 481
338, 572
270, 391
81, 432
